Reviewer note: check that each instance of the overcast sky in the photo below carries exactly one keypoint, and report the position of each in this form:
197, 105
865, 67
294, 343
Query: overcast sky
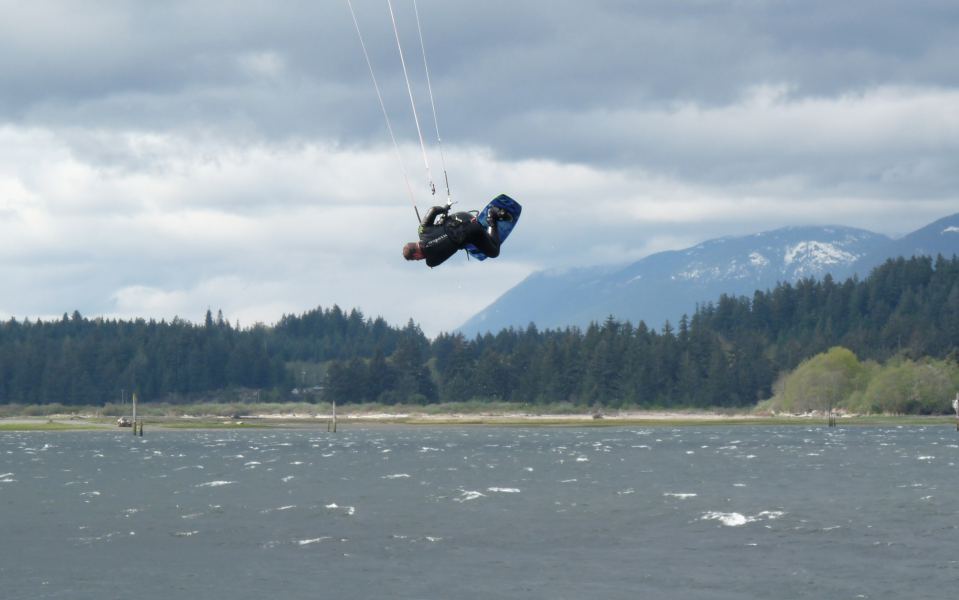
161, 158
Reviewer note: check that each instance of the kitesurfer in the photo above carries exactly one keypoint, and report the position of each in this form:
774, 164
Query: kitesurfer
442, 234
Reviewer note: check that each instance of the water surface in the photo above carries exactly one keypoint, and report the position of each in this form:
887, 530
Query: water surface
482, 512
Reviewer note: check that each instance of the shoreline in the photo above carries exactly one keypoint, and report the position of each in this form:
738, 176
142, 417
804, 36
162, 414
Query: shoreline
83, 422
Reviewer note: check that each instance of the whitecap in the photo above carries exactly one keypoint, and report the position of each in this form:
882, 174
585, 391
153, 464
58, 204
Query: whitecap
5, 475
728, 519
925, 458
287, 478
214, 483
568, 481
626, 492
90, 494
582, 459
186, 533
736, 519
771, 514
469, 495
287, 507
680, 495
331, 505
313, 540
396, 476
503, 490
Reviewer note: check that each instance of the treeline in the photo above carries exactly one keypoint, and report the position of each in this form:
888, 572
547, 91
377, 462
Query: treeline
838, 380
81, 361
728, 353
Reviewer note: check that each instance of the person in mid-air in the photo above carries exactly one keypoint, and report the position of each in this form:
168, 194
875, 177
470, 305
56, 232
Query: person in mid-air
442, 234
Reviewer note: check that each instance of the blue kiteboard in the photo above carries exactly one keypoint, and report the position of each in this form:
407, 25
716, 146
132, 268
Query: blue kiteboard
504, 227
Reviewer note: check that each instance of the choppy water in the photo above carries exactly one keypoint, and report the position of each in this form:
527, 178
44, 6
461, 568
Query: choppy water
709, 512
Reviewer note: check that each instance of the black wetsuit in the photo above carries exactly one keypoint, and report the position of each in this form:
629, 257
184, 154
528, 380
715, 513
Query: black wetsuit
442, 240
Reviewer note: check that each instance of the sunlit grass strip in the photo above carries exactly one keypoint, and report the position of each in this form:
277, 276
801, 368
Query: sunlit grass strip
56, 426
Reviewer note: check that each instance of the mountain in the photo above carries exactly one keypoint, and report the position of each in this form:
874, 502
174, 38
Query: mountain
666, 285
939, 237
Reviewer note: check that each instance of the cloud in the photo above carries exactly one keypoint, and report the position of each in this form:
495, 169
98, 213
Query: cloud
190, 224
157, 159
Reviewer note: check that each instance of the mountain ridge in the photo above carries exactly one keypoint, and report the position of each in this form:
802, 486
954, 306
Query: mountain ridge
663, 286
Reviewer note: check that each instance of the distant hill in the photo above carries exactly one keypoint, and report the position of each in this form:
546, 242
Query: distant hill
666, 285
939, 237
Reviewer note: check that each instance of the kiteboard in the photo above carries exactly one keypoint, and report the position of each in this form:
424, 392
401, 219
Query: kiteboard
504, 227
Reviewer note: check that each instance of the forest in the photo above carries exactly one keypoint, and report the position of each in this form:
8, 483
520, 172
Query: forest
730, 353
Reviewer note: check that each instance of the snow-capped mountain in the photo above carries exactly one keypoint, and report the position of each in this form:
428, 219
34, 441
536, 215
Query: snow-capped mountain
784, 254
666, 285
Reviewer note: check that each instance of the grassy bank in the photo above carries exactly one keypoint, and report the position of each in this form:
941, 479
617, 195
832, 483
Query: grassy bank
53, 417
46, 426
298, 409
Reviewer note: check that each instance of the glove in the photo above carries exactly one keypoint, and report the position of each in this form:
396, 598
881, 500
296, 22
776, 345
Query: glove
498, 214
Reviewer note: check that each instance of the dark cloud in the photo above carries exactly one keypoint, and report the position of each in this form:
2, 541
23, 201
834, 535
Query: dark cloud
175, 63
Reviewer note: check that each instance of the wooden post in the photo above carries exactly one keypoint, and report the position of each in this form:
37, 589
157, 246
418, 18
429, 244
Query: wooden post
955, 407
134, 413
331, 423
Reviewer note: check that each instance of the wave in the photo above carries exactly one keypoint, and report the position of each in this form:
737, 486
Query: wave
467, 495
313, 540
735, 519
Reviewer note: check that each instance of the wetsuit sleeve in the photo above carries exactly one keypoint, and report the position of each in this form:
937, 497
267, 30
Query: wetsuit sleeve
433, 213
492, 235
